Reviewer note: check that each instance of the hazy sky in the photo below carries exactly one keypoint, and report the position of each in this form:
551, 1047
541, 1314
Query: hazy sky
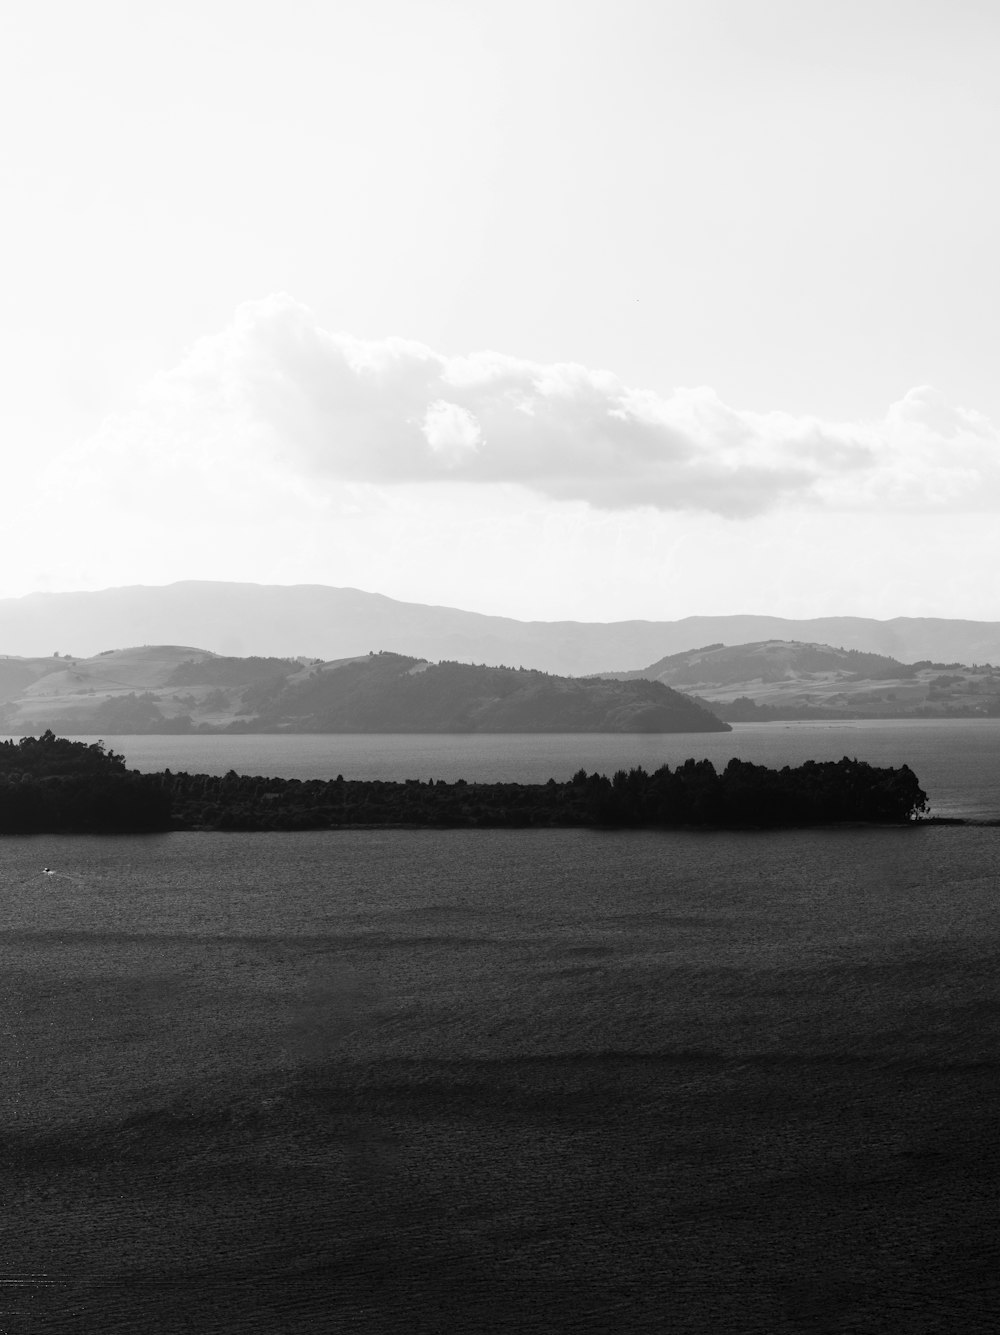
569, 308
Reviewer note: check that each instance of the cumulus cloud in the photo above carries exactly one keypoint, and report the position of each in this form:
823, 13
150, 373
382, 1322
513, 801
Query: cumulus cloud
451, 432
277, 394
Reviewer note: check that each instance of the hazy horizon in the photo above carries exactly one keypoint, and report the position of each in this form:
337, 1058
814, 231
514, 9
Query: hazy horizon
569, 311
744, 613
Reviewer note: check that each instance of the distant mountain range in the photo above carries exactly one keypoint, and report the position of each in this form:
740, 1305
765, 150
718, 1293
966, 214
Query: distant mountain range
173, 688
781, 679
330, 623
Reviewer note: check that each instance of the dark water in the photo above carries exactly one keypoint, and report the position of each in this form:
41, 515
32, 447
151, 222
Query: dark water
475, 1081
957, 761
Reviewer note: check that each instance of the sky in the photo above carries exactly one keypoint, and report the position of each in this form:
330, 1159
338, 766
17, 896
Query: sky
590, 309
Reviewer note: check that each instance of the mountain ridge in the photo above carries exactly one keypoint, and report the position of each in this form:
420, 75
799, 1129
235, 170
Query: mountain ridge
322, 621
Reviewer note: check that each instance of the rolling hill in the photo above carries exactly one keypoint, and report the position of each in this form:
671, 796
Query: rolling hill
172, 688
789, 679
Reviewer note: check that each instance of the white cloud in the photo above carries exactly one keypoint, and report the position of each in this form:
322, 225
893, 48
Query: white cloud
274, 394
451, 432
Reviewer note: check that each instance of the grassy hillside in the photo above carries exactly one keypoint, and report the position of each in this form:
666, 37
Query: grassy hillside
788, 679
150, 688
175, 689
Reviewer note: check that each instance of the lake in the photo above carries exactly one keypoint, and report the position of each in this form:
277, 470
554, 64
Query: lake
459, 1082
453, 1082
957, 761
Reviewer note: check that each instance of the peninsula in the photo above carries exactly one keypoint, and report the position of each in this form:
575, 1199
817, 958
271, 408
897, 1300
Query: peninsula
51, 784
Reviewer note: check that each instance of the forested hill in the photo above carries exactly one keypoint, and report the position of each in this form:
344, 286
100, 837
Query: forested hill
392, 693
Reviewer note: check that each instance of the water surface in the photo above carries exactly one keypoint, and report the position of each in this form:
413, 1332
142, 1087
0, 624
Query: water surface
458, 1082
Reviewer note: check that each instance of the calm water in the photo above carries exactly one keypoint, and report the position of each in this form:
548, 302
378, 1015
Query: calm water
876, 884
957, 761
405, 1081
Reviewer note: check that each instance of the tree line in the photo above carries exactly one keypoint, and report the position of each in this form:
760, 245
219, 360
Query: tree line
50, 784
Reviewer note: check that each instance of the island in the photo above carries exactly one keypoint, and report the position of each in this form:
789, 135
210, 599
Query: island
52, 784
